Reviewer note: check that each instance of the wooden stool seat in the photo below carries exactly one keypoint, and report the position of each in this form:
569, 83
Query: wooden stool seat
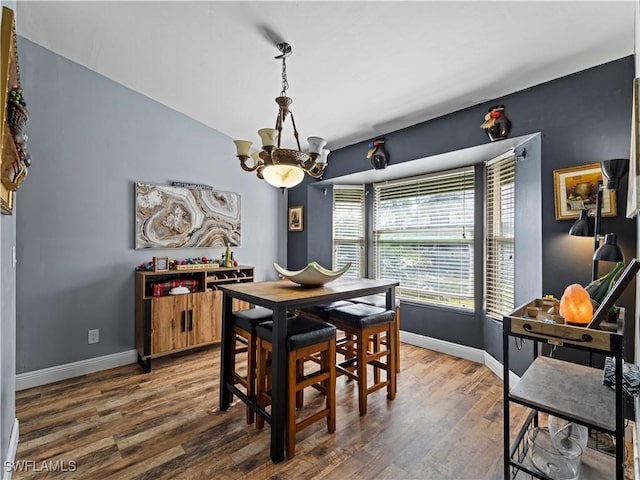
368, 324
244, 331
305, 337
381, 301
321, 312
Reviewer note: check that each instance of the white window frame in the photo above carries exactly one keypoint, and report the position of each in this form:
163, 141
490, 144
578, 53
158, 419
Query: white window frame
453, 287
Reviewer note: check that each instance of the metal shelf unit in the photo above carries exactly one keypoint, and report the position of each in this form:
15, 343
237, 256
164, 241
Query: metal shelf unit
564, 389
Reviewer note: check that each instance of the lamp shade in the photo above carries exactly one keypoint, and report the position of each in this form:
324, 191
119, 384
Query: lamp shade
615, 169
582, 227
609, 251
323, 160
283, 176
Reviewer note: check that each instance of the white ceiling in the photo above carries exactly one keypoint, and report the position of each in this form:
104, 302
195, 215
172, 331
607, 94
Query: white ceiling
358, 69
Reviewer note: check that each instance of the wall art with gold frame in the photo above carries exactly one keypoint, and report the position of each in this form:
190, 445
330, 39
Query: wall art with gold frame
296, 219
575, 189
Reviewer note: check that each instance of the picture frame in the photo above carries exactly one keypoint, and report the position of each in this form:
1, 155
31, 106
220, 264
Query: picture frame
160, 264
296, 219
575, 188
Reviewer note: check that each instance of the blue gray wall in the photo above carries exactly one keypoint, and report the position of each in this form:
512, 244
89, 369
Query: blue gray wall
91, 139
583, 118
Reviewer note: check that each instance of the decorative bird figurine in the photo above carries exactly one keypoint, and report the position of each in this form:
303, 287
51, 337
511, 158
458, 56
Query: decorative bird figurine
378, 154
496, 124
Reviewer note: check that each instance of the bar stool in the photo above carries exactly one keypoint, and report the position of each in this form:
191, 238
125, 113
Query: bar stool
305, 337
244, 331
367, 324
381, 301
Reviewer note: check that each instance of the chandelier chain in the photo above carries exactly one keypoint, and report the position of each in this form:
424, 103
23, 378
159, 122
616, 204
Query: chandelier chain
285, 82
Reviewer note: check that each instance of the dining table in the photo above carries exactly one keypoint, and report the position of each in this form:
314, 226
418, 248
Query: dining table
282, 296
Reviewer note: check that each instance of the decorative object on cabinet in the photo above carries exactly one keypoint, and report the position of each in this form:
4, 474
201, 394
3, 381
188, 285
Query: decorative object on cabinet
576, 189
563, 389
160, 264
296, 219
177, 217
14, 158
312, 275
283, 167
378, 154
496, 124
167, 322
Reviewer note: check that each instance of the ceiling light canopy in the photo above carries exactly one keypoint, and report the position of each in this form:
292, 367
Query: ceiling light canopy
283, 167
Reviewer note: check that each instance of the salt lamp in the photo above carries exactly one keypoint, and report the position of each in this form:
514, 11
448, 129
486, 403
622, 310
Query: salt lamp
576, 306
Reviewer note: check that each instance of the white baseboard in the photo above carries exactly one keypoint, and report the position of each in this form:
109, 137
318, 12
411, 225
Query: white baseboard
75, 369
496, 367
442, 346
462, 351
11, 451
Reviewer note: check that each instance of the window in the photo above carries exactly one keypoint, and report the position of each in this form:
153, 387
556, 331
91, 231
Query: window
500, 214
423, 237
348, 229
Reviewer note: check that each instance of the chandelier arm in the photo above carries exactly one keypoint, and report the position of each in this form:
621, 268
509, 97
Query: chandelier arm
279, 121
247, 168
295, 130
315, 172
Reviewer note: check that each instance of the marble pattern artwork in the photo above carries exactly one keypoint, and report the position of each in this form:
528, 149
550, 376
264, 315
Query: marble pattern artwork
179, 217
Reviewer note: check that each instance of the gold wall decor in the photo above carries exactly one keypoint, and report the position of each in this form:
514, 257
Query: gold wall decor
14, 158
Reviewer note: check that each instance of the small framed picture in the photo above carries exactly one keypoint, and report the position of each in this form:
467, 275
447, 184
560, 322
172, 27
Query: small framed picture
295, 219
160, 264
576, 188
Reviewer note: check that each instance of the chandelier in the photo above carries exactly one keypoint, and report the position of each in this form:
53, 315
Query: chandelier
283, 167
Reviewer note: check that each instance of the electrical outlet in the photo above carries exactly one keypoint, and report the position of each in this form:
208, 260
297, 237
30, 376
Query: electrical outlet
94, 336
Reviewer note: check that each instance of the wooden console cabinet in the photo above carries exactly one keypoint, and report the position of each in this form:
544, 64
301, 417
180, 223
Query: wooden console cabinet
166, 324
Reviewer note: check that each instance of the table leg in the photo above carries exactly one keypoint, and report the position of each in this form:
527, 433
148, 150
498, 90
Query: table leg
391, 298
226, 351
279, 384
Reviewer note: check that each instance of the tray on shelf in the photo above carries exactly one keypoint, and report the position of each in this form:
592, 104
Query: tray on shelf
520, 322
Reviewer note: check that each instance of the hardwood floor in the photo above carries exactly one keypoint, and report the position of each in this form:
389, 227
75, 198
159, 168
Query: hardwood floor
445, 423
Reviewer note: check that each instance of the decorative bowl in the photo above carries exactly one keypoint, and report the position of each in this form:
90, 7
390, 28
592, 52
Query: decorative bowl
312, 275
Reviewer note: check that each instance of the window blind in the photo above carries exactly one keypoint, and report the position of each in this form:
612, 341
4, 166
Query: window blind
500, 215
348, 229
423, 237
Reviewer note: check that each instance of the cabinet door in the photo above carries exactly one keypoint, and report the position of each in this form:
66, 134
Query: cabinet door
202, 313
168, 323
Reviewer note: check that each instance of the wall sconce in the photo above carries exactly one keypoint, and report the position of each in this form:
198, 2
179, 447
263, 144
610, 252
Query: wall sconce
614, 170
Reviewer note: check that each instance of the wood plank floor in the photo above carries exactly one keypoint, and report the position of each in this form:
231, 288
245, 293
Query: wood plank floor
445, 423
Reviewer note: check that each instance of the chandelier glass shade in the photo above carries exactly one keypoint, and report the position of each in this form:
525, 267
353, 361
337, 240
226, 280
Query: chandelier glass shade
283, 167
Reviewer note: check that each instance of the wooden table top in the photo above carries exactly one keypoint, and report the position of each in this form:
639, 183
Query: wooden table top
286, 292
